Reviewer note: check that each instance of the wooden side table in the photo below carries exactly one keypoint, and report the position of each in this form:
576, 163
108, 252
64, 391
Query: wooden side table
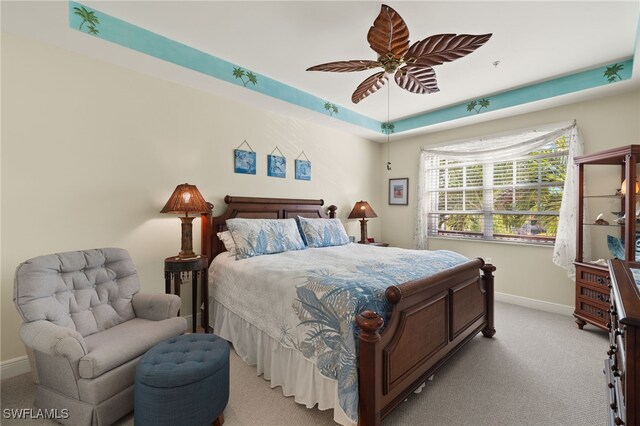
377, 244
196, 270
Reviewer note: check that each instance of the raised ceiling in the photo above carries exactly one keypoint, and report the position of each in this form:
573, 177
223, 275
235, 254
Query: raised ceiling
541, 53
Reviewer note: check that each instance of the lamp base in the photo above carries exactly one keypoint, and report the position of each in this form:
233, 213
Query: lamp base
363, 232
186, 248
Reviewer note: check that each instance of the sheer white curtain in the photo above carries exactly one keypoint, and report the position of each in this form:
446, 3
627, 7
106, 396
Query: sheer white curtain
503, 147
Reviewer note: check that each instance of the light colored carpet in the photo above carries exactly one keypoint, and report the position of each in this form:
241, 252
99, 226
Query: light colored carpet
539, 369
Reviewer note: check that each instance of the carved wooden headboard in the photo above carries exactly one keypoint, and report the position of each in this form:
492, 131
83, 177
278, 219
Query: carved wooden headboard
256, 208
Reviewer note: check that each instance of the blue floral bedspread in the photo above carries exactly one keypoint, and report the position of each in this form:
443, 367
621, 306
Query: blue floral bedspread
308, 299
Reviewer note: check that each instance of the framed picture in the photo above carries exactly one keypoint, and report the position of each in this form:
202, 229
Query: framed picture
399, 191
276, 166
245, 162
303, 170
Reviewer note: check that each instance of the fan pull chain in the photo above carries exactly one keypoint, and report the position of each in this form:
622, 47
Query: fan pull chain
388, 107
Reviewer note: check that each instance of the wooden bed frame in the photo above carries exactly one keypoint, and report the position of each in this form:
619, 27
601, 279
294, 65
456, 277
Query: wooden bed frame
431, 318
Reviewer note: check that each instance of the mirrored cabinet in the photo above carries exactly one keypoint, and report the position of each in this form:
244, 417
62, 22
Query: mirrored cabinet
606, 221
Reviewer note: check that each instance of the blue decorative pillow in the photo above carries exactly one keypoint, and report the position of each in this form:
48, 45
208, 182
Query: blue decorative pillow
616, 247
323, 232
255, 237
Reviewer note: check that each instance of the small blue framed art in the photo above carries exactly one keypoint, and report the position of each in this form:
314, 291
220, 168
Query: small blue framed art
276, 166
245, 162
303, 170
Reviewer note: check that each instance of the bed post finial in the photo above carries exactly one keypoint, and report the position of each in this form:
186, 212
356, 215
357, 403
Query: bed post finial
369, 323
332, 211
487, 276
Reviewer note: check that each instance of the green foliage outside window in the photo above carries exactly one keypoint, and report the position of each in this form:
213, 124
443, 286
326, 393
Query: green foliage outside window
526, 195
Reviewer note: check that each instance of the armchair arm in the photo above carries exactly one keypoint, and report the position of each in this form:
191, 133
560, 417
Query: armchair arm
155, 307
51, 339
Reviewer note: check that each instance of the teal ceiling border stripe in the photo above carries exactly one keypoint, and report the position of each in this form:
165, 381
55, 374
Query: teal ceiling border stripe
547, 89
106, 27
133, 37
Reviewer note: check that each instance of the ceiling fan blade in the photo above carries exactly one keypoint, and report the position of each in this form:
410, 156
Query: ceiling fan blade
441, 48
418, 80
389, 34
345, 66
369, 86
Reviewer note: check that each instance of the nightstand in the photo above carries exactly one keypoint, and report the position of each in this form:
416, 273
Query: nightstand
176, 270
377, 244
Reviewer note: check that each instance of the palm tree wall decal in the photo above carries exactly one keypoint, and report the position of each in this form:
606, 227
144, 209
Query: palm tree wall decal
239, 73
611, 73
331, 108
478, 105
88, 17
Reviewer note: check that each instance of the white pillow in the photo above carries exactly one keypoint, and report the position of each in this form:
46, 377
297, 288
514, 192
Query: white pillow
228, 242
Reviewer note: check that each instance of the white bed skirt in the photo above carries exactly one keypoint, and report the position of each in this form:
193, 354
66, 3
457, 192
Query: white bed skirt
282, 366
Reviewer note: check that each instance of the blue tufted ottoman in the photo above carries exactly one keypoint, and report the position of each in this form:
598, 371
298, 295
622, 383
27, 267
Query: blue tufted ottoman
183, 381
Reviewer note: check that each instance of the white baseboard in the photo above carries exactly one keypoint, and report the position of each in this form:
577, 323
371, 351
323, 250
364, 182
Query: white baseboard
540, 305
188, 318
14, 367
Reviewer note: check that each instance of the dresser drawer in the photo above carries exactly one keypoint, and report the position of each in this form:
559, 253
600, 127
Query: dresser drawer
621, 361
592, 276
593, 310
594, 293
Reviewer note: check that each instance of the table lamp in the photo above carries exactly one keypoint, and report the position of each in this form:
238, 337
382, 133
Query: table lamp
186, 199
362, 210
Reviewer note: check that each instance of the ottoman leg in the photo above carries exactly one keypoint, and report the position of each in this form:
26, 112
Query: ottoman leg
219, 421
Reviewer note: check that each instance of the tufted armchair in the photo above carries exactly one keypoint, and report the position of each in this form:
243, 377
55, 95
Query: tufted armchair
85, 327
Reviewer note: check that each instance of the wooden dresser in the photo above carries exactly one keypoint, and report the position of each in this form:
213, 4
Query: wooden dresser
622, 366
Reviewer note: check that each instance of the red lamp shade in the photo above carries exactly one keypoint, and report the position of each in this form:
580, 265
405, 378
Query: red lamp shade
186, 199
362, 210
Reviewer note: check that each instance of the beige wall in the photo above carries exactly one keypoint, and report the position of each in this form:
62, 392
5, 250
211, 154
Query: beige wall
525, 271
91, 152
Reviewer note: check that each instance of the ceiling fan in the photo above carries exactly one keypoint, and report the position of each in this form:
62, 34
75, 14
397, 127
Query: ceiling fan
412, 65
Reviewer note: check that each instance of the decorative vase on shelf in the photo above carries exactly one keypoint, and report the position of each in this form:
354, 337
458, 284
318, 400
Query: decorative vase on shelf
616, 246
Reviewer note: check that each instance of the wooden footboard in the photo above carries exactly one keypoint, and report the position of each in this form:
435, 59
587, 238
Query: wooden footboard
430, 320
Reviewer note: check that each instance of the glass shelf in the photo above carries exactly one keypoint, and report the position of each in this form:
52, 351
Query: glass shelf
604, 196
604, 226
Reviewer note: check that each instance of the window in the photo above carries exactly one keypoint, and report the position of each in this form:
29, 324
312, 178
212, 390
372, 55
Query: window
508, 200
